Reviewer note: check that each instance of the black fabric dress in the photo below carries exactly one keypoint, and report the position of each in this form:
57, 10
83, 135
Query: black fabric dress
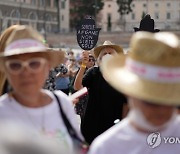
104, 105
80, 106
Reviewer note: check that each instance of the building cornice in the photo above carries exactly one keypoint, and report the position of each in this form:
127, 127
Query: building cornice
28, 6
29, 20
153, 0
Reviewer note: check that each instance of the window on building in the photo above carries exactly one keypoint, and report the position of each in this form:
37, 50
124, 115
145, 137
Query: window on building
55, 3
109, 22
168, 15
1, 14
48, 17
48, 3
55, 18
15, 14
133, 16
9, 23
156, 5
168, 4
133, 5
63, 5
109, 5
62, 18
42, 2
144, 5
32, 16
48, 28
156, 15
33, 2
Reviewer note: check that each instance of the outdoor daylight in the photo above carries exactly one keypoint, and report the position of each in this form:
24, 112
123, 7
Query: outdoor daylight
89, 76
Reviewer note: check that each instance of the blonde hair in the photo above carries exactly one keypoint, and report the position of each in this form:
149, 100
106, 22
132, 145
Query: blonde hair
3, 39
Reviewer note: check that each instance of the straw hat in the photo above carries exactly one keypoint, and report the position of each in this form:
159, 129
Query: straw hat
25, 40
151, 72
98, 49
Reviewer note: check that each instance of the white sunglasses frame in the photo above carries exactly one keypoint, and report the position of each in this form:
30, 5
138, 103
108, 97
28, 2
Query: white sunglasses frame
25, 64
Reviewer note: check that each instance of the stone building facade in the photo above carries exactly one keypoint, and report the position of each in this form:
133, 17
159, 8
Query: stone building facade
44, 15
166, 14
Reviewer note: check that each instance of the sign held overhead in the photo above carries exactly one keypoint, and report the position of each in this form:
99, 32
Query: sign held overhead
87, 33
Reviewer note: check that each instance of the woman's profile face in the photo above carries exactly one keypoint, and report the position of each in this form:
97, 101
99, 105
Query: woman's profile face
27, 73
91, 62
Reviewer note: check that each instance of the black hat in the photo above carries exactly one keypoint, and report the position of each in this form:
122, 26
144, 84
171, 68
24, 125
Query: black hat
146, 24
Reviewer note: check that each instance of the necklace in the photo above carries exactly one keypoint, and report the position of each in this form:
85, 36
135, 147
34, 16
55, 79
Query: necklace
29, 117
25, 112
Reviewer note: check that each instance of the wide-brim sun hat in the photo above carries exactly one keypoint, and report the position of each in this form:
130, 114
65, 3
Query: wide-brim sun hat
98, 49
26, 40
150, 72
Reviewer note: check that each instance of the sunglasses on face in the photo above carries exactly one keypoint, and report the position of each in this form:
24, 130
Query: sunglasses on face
15, 66
91, 60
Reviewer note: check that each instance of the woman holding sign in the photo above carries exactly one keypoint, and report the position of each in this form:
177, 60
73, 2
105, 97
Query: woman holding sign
103, 106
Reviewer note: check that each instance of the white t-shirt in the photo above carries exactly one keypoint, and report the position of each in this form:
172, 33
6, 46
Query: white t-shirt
124, 138
46, 119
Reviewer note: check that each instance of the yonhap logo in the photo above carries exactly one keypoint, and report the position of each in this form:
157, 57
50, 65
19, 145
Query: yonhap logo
154, 140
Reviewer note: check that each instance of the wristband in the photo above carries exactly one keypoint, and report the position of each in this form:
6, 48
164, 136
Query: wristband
83, 66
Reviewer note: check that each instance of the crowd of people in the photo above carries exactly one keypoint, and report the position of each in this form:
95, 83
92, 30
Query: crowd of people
131, 105
63, 76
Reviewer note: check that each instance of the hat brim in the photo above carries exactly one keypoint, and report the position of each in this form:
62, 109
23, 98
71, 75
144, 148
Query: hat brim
138, 29
97, 50
156, 30
130, 84
55, 57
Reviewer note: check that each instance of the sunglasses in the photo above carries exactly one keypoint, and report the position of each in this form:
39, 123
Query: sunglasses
93, 60
16, 66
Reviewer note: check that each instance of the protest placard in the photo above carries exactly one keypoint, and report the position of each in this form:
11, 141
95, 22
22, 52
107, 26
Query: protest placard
87, 34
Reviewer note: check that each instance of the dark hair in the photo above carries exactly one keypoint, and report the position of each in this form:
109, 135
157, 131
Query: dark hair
91, 56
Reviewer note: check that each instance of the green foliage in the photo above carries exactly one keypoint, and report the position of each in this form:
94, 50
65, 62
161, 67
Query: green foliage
81, 8
124, 6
